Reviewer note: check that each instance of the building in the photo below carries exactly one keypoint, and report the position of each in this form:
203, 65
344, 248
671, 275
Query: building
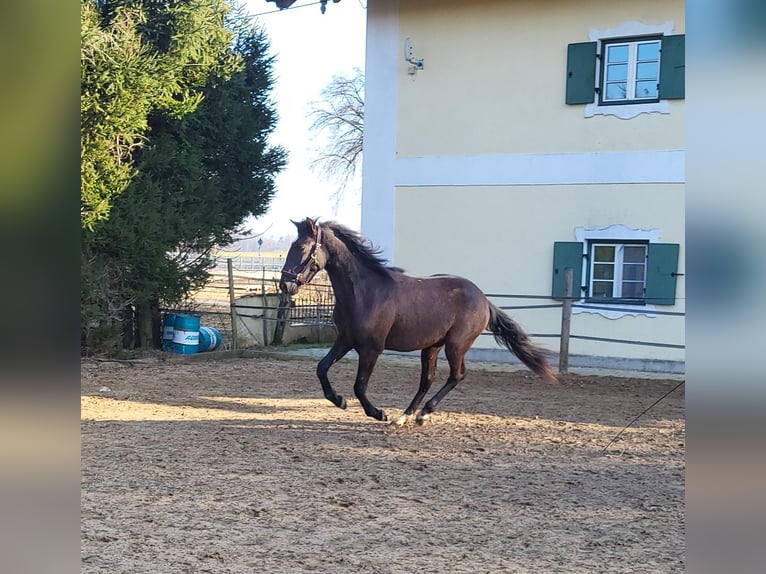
507, 140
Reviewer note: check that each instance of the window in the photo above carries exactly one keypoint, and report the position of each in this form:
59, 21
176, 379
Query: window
634, 68
617, 272
617, 266
630, 71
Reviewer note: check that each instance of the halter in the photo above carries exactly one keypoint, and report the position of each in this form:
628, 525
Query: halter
311, 260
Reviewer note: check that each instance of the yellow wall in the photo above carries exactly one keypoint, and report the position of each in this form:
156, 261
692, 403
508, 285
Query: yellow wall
502, 239
494, 78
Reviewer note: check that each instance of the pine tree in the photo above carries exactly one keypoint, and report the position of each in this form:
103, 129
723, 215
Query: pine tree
198, 174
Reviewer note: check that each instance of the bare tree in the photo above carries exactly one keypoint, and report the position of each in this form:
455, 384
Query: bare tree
338, 124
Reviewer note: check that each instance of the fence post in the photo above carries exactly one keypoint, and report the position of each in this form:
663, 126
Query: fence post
232, 305
566, 320
282, 312
265, 307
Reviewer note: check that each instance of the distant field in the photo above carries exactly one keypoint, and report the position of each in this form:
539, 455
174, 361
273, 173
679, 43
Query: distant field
224, 253
254, 273
251, 260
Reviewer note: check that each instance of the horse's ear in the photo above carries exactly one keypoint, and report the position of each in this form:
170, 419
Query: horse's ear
312, 226
300, 226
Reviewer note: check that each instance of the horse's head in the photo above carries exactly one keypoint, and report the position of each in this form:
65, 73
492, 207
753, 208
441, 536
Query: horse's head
305, 258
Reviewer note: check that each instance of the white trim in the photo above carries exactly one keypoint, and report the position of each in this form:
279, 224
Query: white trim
631, 28
618, 231
626, 30
614, 232
626, 111
380, 109
542, 169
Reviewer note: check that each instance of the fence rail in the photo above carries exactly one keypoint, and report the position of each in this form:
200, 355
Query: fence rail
568, 302
251, 262
316, 304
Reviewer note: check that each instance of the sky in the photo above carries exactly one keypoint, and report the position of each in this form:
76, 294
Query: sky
310, 48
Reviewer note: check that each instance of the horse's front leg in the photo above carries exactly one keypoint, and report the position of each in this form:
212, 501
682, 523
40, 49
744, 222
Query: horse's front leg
367, 360
336, 353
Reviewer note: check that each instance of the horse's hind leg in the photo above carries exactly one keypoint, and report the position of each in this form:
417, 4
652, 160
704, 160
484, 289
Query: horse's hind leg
455, 357
336, 353
428, 359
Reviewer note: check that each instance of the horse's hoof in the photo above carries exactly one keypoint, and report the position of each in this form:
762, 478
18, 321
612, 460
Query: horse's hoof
401, 421
341, 404
382, 416
422, 418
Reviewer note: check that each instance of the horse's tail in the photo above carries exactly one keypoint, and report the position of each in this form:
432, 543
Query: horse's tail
509, 334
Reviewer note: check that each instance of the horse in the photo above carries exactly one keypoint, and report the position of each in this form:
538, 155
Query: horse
379, 307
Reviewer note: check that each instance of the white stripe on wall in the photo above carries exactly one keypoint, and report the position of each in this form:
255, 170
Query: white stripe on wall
543, 169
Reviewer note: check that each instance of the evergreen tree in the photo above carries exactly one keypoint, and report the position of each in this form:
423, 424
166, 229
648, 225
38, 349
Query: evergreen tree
196, 177
139, 57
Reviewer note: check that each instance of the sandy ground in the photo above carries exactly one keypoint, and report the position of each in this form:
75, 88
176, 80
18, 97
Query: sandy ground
240, 465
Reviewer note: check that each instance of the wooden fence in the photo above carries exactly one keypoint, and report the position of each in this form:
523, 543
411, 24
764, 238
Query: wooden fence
316, 303
565, 334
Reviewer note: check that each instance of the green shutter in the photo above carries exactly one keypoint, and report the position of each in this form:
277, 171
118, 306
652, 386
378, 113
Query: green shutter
661, 272
673, 67
567, 254
581, 73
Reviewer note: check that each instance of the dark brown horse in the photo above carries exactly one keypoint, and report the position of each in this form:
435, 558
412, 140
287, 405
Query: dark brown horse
379, 307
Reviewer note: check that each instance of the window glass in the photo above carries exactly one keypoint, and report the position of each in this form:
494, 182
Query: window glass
618, 53
602, 289
603, 271
650, 51
631, 71
646, 71
618, 271
616, 91
604, 253
646, 89
634, 254
632, 290
633, 272
616, 72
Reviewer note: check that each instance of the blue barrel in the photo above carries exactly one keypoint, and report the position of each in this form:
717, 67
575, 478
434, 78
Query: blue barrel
168, 325
186, 335
209, 339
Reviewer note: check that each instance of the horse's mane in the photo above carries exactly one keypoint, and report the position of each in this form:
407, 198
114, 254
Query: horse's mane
362, 249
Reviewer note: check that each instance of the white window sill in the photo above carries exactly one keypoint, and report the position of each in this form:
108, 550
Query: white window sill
627, 111
618, 312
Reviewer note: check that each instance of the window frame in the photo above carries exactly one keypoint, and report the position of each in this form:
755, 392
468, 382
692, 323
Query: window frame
632, 42
583, 76
617, 278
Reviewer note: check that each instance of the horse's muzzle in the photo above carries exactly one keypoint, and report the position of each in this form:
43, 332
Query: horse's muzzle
289, 287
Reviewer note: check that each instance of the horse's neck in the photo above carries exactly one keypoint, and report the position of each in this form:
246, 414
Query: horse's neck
345, 272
